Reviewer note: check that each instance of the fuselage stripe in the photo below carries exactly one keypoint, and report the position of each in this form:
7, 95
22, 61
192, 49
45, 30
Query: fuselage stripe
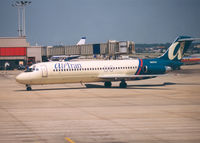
140, 67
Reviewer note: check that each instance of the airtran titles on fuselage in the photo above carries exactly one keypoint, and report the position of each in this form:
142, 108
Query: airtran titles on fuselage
67, 65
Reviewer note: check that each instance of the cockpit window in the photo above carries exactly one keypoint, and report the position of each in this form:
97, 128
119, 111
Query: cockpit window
31, 69
28, 69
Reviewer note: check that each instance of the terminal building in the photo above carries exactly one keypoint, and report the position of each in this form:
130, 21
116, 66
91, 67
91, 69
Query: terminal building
15, 51
110, 49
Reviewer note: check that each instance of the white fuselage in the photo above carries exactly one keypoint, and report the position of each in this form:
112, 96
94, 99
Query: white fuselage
77, 71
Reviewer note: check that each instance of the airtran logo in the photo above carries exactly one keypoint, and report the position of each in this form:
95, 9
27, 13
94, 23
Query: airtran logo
67, 66
176, 50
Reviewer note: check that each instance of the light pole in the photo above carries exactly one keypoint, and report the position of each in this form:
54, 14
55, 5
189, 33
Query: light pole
21, 16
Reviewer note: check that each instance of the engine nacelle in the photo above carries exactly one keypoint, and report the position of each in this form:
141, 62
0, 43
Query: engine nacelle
156, 69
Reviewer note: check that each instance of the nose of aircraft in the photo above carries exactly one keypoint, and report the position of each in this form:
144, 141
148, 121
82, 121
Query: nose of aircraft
18, 78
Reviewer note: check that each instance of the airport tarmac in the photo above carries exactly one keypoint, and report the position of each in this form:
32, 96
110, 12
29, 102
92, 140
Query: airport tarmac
161, 110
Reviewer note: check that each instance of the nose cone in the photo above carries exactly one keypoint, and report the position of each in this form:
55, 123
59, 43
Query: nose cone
21, 78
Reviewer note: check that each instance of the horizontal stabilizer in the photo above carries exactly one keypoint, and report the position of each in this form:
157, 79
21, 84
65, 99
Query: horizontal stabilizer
189, 39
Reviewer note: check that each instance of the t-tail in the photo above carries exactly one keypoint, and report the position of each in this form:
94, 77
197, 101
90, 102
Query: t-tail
178, 48
170, 60
82, 41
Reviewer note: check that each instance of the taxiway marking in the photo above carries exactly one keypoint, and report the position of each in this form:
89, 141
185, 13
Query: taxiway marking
69, 140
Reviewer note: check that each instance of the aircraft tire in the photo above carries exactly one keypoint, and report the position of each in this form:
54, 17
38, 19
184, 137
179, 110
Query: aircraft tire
123, 84
108, 84
28, 88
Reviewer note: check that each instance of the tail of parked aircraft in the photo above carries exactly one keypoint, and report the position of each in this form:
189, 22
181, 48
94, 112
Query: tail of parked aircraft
82, 41
176, 51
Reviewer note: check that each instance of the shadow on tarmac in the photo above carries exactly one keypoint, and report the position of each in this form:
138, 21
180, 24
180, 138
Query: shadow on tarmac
54, 89
142, 86
134, 86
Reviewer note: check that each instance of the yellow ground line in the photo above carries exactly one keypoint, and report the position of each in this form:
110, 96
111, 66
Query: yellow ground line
69, 140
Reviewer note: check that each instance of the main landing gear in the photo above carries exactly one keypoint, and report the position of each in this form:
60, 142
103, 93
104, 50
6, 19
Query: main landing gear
122, 84
108, 84
28, 87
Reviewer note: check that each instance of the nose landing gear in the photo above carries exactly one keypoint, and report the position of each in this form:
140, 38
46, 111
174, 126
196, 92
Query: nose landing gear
28, 87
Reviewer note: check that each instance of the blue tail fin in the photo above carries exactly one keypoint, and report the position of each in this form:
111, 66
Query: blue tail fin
176, 51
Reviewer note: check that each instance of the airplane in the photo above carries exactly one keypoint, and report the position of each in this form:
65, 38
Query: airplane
106, 71
191, 60
63, 58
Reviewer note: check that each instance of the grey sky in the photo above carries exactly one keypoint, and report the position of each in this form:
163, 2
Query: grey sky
51, 22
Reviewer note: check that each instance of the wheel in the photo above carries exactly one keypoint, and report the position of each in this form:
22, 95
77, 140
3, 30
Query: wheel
107, 84
28, 88
123, 84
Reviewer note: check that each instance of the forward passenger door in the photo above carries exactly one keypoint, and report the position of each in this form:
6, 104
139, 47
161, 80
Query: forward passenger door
44, 71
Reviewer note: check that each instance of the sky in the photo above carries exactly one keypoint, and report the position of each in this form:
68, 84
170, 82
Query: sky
54, 22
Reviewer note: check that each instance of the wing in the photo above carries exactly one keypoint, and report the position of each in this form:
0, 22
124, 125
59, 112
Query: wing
127, 77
